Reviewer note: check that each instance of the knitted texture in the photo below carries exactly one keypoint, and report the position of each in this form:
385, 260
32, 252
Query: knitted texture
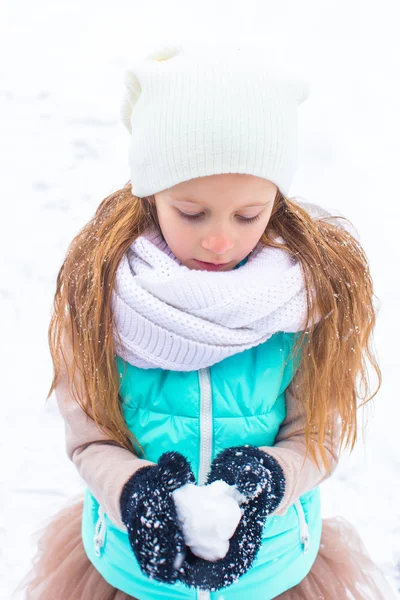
149, 513
172, 317
155, 535
204, 109
251, 471
261, 480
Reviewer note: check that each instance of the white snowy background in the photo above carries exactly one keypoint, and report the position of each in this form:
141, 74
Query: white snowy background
63, 149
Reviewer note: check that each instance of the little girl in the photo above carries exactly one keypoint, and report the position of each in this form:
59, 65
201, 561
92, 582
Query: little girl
207, 336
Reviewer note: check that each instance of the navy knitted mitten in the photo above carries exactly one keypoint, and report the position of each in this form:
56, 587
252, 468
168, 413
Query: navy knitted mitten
251, 471
149, 513
260, 479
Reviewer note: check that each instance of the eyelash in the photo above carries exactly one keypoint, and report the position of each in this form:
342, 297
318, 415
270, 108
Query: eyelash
194, 217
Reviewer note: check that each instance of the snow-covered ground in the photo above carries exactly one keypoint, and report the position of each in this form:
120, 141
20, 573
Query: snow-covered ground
63, 150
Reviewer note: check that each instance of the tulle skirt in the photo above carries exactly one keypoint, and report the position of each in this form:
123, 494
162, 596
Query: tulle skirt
61, 570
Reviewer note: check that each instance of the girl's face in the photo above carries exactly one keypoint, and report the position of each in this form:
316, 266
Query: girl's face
215, 219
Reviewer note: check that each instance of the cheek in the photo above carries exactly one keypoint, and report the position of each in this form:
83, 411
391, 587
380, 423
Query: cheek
170, 225
180, 237
255, 231
251, 234
183, 239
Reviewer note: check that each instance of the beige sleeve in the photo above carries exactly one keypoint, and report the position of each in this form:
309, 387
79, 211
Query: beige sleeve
290, 450
102, 463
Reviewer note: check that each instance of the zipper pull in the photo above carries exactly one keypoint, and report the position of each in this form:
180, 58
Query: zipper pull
304, 531
100, 532
305, 540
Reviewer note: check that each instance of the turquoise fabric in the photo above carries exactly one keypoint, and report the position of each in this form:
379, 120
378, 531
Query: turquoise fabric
162, 409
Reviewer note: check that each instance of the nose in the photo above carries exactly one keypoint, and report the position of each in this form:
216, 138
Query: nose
218, 244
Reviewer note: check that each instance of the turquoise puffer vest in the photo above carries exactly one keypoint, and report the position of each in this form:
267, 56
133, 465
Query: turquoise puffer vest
239, 400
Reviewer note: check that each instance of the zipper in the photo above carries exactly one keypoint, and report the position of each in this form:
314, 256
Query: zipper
205, 439
205, 424
304, 531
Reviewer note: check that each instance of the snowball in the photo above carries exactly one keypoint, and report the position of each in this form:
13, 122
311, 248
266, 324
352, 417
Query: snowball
208, 515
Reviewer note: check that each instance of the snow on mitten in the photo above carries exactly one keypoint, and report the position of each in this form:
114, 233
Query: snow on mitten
260, 480
148, 510
251, 471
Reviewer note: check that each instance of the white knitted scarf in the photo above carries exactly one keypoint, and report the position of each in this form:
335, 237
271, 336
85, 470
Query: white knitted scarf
171, 317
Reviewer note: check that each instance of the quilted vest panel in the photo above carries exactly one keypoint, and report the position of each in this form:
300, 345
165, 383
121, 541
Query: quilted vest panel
236, 401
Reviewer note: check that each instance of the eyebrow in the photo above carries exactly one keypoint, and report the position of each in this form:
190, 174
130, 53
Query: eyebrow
247, 205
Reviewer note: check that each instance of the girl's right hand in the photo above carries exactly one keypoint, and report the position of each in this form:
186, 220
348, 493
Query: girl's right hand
148, 510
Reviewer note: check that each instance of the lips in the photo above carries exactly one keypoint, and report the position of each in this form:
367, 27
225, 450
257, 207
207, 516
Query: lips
210, 266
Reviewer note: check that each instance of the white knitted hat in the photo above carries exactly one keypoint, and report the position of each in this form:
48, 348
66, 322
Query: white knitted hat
205, 109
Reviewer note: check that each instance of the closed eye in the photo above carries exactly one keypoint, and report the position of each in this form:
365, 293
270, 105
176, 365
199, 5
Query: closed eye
199, 215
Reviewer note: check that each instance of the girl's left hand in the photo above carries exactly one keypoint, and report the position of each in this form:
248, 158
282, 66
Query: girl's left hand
251, 471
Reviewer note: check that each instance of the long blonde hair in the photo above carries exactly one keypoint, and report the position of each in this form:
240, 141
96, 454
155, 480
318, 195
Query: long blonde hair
333, 351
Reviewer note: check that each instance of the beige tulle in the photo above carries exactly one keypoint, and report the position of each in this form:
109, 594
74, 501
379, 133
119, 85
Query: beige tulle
61, 570
343, 569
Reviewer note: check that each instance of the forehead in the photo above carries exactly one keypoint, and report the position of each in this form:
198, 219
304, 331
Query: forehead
229, 187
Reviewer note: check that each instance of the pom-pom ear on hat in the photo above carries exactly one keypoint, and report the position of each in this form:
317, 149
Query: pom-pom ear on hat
166, 52
132, 84
130, 97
